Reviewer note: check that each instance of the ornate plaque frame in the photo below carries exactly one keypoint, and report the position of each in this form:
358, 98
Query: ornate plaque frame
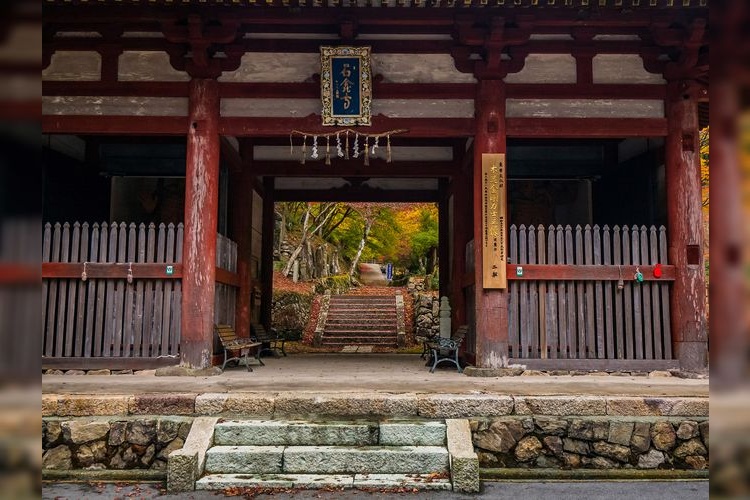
346, 85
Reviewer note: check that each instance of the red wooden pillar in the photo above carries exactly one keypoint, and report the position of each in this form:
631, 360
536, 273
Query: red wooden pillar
266, 263
491, 304
462, 220
241, 196
443, 245
727, 283
684, 204
201, 216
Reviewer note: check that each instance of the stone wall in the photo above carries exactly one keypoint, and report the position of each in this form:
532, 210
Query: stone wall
290, 312
599, 443
426, 314
105, 443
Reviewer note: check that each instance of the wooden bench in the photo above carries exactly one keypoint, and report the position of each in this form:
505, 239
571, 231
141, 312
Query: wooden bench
443, 349
270, 339
231, 342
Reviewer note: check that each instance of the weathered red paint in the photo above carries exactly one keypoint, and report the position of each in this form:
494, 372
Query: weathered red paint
462, 222
685, 225
492, 304
201, 216
241, 200
266, 263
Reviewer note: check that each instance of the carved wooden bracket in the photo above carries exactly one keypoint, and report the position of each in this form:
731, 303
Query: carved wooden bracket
204, 48
679, 52
490, 50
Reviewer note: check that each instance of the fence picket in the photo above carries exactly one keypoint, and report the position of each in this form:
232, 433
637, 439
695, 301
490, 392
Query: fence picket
166, 344
88, 343
149, 346
117, 331
70, 310
159, 347
534, 304
599, 296
128, 341
542, 256
608, 318
580, 296
655, 300
570, 300
637, 295
524, 317
552, 338
514, 339
588, 255
666, 326
140, 292
46, 251
176, 326
628, 296
619, 297
62, 293
648, 336
80, 328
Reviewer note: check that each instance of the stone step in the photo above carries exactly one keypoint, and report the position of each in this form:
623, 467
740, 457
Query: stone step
344, 341
219, 482
412, 433
360, 331
285, 432
245, 459
365, 459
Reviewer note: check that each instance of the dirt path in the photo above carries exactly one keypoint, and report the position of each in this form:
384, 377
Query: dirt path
370, 275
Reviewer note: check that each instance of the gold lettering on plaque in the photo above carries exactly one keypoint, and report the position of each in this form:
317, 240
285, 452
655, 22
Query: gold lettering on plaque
494, 203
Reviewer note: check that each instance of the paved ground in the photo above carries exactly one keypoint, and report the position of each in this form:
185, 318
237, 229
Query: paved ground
387, 373
370, 274
635, 490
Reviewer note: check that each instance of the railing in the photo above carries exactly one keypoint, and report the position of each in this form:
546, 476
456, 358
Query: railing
577, 295
112, 293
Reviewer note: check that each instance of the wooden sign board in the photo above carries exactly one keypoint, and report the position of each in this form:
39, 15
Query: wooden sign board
494, 221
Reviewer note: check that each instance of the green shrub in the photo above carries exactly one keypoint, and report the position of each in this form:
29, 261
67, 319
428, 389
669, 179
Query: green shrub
337, 285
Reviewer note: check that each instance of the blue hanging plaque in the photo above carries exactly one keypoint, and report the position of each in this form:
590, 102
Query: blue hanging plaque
345, 84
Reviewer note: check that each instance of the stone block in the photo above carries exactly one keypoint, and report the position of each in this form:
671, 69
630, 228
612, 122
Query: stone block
528, 449
399, 481
663, 436
691, 447
162, 404
220, 482
689, 407
59, 457
576, 446
244, 459
352, 405
551, 426
141, 431
696, 462
703, 427
284, 432
463, 406
554, 445
49, 405
638, 406
640, 442
620, 432
614, 451
84, 405
250, 405
186, 465
412, 434
500, 436
651, 460
91, 453
560, 405
464, 463
687, 429
361, 460
83, 431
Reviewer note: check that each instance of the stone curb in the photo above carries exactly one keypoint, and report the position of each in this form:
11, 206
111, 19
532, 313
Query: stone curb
280, 405
464, 462
185, 466
103, 475
590, 474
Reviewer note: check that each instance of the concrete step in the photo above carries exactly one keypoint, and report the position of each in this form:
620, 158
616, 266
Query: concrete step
365, 459
219, 482
344, 341
245, 459
360, 331
286, 432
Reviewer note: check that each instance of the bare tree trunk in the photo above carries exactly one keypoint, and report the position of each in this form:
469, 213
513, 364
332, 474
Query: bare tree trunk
362, 242
325, 214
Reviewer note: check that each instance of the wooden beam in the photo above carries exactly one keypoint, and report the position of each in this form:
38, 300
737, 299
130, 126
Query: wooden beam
539, 272
644, 365
230, 156
586, 127
114, 125
373, 195
355, 168
18, 274
109, 363
110, 270
227, 277
383, 90
281, 127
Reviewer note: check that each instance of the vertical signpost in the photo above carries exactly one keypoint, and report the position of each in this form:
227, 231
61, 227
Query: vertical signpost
494, 221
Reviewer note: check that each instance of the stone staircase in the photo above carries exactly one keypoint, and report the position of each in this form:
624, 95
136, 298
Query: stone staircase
361, 320
310, 455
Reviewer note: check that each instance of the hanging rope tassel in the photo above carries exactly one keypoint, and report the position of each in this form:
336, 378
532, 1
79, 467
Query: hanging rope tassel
304, 149
328, 150
367, 151
346, 149
291, 145
388, 149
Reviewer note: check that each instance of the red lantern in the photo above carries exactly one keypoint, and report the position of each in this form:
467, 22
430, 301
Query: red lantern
657, 271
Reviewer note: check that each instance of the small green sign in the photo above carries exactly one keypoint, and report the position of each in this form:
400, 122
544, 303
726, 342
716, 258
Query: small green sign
170, 270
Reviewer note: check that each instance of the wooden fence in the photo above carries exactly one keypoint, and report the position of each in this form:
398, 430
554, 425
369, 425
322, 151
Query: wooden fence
111, 290
226, 293
567, 302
